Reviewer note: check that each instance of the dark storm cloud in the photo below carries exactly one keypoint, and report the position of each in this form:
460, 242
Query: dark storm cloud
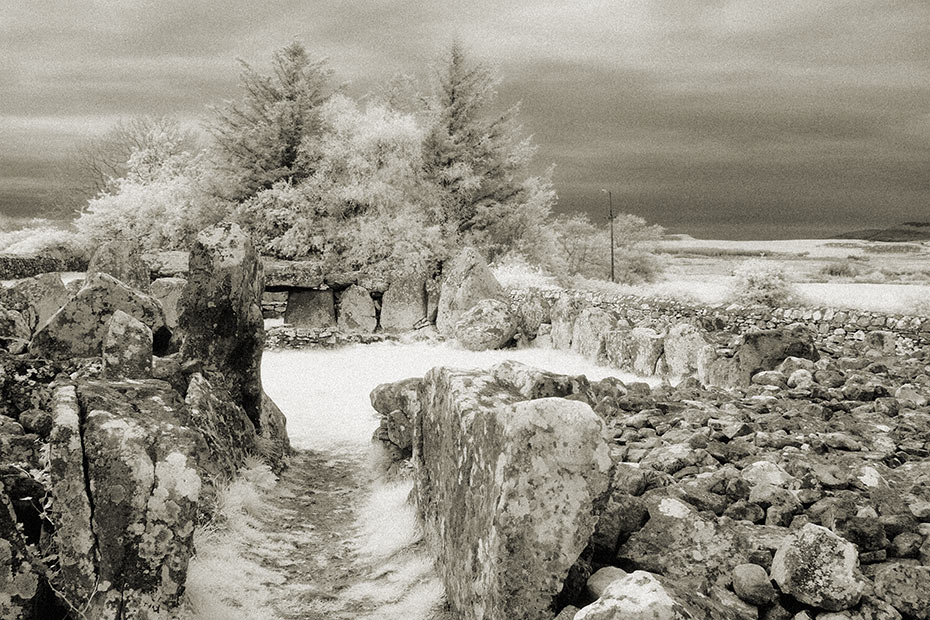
703, 112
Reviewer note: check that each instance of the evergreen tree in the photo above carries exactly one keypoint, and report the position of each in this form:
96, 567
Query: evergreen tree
477, 159
268, 134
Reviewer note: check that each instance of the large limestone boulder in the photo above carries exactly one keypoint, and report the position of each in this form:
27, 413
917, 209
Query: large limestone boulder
70, 510
906, 588
123, 261
683, 345
356, 311
404, 304
642, 595
168, 292
224, 425
506, 489
532, 311
766, 349
819, 568
36, 298
466, 281
292, 273
167, 264
717, 368
78, 329
13, 326
311, 308
638, 349
146, 481
489, 324
589, 334
221, 313
563, 314
127, 348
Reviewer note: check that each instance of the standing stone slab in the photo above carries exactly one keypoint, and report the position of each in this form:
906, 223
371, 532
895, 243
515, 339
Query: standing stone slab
70, 510
506, 490
403, 304
310, 308
466, 281
36, 298
168, 292
221, 313
589, 334
356, 311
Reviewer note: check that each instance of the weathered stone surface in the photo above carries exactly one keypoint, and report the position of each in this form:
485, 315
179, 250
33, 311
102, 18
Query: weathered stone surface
683, 345
227, 430
404, 304
70, 509
292, 273
752, 584
168, 292
36, 298
145, 479
13, 326
466, 281
273, 442
127, 348
221, 313
167, 264
906, 588
532, 311
78, 329
506, 490
356, 311
818, 568
637, 349
310, 308
716, 369
489, 324
642, 595
589, 334
123, 261
766, 349
563, 314
19, 574
533, 383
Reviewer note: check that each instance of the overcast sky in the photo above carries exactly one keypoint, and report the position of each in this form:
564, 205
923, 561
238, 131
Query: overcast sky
735, 117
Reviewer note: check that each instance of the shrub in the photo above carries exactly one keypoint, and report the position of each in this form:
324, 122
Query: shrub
757, 282
840, 270
46, 238
514, 271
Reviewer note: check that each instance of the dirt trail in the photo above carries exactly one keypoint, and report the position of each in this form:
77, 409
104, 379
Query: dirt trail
321, 544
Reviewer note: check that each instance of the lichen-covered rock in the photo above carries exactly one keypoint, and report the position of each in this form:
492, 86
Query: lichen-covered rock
466, 281
145, 479
310, 308
356, 311
123, 261
167, 264
78, 328
221, 313
292, 273
70, 509
224, 425
906, 588
818, 568
13, 326
638, 349
534, 383
563, 314
168, 292
19, 571
532, 311
36, 298
683, 344
506, 490
589, 334
715, 368
489, 324
404, 304
642, 595
127, 348
273, 443
766, 349
752, 584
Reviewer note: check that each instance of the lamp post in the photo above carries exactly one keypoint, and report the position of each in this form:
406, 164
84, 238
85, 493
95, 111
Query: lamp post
610, 217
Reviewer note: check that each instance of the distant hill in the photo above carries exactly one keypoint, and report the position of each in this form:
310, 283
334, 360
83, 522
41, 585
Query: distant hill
906, 231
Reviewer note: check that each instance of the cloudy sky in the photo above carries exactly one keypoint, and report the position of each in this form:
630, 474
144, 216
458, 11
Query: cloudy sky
717, 117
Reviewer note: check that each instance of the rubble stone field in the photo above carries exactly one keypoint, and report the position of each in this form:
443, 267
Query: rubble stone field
658, 464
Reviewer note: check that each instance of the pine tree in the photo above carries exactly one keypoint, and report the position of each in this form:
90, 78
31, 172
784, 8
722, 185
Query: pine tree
268, 134
477, 159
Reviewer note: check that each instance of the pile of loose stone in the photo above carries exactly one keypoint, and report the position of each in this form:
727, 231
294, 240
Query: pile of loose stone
802, 494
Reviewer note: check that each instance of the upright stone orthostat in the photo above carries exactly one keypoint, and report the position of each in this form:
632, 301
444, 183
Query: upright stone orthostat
506, 488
